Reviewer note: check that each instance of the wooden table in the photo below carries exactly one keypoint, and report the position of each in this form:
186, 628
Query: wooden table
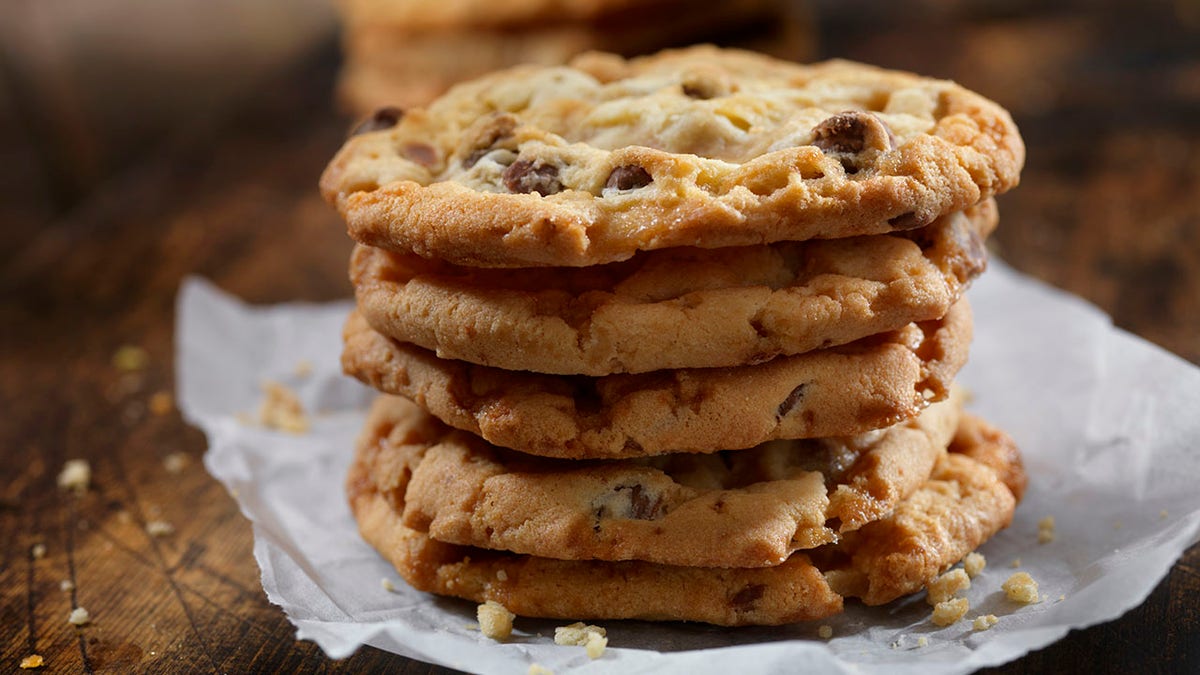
1109, 209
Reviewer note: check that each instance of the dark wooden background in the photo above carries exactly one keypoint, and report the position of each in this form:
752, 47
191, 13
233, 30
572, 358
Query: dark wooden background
1108, 99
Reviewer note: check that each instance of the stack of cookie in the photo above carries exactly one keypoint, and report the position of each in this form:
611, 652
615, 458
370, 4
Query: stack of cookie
675, 337
406, 52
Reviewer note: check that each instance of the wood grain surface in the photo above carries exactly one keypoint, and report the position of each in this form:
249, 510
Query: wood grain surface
1109, 209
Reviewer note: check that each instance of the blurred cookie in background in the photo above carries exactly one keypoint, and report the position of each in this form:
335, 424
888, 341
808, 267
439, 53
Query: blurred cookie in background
406, 52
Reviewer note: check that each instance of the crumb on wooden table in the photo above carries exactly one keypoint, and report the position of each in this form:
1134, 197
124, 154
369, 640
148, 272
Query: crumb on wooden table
130, 358
161, 403
76, 475
159, 528
79, 617
175, 462
32, 661
38, 551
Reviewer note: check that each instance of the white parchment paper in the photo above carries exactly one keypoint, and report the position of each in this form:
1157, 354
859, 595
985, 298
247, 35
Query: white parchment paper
1108, 424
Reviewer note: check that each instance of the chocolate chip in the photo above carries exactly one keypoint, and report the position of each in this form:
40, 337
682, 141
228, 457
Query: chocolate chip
642, 506
628, 177
384, 118
849, 134
744, 599
792, 400
421, 153
524, 177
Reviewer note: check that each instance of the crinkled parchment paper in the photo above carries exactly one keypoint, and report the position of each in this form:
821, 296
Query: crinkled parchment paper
1107, 423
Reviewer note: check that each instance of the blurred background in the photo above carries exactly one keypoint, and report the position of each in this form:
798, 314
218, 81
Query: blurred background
1107, 95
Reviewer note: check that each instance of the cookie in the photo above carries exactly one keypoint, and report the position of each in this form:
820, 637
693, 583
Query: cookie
749, 508
962, 505
970, 498
401, 62
840, 391
593, 162
674, 308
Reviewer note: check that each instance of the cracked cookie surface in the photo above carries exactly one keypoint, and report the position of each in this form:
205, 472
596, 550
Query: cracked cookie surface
747, 508
675, 308
840, 391
593, 162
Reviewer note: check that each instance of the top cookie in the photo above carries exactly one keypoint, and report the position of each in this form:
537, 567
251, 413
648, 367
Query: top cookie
592, 162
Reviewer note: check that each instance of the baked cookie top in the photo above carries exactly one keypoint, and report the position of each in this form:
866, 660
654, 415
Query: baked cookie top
840, 391
963, 503
750, 508
675, 308
592, 162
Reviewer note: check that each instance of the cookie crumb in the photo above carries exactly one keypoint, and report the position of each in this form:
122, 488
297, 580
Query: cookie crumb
985, 622
162, 403
539, 669
922, 641
79, 617
950, 611
32, 661
1015, 563
946, 586
1046, 530
973, 564
38, 551
593, 638
1062, 597
124, 517
303, 368
596, 643
66, 585
387, 585
1162, 514
1117, 524
501, 575
281, 409
495, 621
825, 632
159, 528
130, 358
1021, 588
76, 475
175, 462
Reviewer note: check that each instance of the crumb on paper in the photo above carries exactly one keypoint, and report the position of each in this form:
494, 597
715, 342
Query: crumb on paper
922, 641
130, 358
539, 669
593, 638
495, 620
159, 528
79, 617
38, 551
1117, 524
244, 418
1015, 563
66, 585
946, 586
175, 462
1062, 597
501, 575
825, 632
1046, 530
973, 564
950, 611
76, 475
161, 403
304, 368
1021, 587
281, 409
1162, 514
387, 585
985, 622
32, 661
